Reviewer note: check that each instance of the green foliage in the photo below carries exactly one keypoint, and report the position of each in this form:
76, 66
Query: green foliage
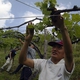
46, 21
44, 5
71, 20
30, 26
39, 27
73, 25
9, 38
76, 54
59, 36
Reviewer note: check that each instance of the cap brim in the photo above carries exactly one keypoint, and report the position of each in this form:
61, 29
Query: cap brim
54, 43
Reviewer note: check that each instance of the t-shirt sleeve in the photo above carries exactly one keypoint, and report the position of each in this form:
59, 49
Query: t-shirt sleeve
37, 64
67, 74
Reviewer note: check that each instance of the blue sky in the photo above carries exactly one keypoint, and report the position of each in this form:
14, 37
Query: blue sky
13, 8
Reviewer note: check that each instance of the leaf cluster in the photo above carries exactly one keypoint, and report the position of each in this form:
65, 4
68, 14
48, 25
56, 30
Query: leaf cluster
46, 21
71, 20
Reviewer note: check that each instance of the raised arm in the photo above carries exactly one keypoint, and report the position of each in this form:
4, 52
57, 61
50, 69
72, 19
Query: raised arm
23, 53
67, 42
21, 41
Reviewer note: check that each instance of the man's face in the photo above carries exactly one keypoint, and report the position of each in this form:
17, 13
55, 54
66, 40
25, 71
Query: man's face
57, 52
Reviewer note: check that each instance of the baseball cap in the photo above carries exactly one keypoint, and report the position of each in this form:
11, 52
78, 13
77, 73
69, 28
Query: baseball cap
59, 42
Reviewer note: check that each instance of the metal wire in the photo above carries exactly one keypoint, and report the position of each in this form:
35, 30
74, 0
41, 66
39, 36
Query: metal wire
27, 17
28, 5
20, 17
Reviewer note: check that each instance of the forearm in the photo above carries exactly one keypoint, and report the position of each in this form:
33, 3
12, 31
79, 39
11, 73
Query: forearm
21, 41
23, 52
67, 44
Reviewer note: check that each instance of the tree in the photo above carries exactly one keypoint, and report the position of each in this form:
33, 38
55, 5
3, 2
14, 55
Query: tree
71, 20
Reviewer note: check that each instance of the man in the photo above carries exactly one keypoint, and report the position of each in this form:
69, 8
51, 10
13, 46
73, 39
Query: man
61, 65
10, 59
26, 71
31, 54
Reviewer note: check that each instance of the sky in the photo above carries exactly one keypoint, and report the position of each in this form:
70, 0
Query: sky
15, 8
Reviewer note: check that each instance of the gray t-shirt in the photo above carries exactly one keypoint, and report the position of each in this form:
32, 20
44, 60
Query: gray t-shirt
31, 53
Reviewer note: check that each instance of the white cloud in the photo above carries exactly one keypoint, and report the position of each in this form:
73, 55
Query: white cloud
64, 6
32, 16
5, 8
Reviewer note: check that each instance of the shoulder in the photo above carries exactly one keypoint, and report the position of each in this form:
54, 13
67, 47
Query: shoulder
39, 61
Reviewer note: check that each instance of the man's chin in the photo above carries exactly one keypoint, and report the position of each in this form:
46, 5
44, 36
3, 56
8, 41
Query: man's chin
54, 56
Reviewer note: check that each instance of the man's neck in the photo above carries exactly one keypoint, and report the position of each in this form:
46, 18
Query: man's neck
55, 61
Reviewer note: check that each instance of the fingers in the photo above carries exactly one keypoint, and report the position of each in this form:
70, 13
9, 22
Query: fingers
59, 21
29, 31
58, 18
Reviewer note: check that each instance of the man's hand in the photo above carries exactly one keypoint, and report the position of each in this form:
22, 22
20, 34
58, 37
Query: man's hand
29, 31
59, 22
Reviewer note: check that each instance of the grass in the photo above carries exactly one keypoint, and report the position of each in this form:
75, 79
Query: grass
5, 75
